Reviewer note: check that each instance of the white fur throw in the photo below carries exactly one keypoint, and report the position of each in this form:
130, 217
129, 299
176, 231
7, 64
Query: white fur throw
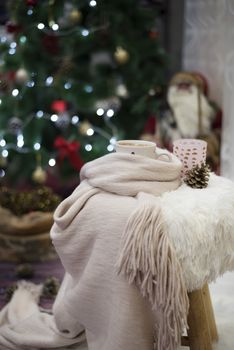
200, 224
115, 316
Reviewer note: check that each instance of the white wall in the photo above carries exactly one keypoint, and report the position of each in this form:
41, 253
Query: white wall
209, 49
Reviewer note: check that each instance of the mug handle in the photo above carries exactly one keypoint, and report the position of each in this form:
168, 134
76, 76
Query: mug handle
168, 155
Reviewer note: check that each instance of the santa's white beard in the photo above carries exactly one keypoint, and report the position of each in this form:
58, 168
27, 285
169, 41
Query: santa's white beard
184, 104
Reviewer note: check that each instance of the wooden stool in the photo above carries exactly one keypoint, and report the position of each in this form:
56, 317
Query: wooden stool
202, 327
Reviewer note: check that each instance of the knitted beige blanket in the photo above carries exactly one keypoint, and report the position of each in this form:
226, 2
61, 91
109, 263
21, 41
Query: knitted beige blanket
123, 283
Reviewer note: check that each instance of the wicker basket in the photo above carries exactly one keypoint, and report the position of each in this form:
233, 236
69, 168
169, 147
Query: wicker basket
25, 238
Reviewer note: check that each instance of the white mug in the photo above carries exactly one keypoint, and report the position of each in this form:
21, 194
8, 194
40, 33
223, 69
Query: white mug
141, 148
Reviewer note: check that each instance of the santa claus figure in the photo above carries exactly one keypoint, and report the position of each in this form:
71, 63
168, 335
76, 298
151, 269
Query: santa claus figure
190, 114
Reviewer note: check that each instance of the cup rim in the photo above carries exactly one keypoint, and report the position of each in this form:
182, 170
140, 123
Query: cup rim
183, 142
148, 144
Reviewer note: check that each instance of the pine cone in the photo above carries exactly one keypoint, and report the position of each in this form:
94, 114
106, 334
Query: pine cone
24, 202
198, 176
50, 287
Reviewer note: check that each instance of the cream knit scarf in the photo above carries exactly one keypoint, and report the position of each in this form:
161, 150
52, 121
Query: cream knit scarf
146, 257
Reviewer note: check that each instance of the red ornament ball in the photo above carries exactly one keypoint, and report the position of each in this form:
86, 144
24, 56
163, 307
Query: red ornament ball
13, 27
59, 106
31, 2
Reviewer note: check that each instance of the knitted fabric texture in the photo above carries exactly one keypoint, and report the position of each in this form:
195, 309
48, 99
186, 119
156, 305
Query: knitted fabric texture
146, 256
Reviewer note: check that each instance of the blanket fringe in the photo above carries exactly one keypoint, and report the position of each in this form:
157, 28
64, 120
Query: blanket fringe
148, 260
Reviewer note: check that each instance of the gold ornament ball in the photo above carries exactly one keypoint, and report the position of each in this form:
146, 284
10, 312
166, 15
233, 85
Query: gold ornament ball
122, 91
39, 175
21, 76
76, 16
121, 55
84, 126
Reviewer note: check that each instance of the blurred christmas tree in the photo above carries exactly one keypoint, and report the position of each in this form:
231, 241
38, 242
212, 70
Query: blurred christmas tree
74, 77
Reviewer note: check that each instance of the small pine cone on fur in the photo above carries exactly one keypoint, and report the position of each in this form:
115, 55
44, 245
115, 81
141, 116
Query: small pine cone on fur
50, 287
198, 176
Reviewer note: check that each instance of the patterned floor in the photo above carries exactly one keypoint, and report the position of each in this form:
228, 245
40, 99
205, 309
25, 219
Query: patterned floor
41, 272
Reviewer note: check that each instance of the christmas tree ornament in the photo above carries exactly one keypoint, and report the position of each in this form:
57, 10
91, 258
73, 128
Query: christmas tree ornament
40, 47
21, 76
59, 106
15, 125
39, 175
198, 176
69, 150
84, 127
31, 3
75, 16
121, 55
122, 91
152, 92
13, 27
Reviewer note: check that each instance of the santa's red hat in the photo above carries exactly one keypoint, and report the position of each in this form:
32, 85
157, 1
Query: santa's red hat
191, 78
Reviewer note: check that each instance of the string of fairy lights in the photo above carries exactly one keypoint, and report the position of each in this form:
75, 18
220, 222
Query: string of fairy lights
87, 129
105, 111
